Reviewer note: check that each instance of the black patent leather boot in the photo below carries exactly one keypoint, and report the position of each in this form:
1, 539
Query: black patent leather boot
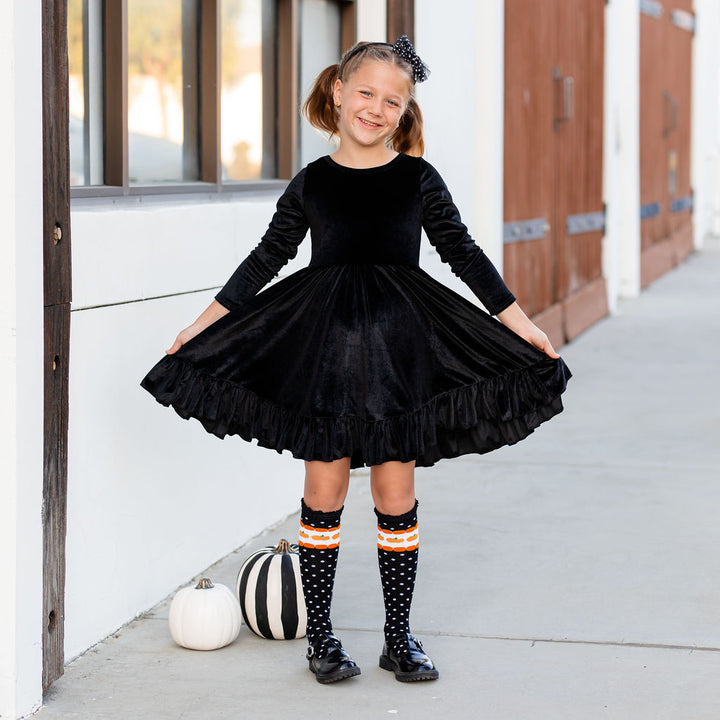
329, 661
409, 665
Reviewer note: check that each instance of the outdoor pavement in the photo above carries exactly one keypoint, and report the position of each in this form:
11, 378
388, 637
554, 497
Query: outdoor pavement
573, 576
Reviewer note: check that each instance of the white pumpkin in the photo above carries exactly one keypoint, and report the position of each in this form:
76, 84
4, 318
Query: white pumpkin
204, 616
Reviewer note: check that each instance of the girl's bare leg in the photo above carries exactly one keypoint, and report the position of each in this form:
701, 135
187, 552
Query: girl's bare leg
393, 487
326, 484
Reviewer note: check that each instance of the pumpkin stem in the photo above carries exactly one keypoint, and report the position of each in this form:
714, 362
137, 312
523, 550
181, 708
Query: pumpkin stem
204, 584
283, 547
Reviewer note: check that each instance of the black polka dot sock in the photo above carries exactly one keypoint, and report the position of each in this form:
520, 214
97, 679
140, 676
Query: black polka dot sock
319, 546
398, 558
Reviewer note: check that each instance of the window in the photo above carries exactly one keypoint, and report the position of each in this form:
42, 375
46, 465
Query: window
195, 95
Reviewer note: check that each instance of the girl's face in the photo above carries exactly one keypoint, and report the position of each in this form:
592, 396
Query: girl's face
372, 101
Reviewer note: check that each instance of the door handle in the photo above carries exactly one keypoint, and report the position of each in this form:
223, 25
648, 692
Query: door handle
564, 98
670, 112
568, 97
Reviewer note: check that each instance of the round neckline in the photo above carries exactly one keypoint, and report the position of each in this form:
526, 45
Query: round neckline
374, 168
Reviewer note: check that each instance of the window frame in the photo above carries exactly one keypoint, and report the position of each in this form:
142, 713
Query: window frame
115, 115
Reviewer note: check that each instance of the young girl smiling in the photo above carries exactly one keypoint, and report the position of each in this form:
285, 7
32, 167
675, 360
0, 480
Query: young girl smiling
361, 358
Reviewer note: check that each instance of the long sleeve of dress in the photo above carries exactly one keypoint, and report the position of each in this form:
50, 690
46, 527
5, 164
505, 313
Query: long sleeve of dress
450, 237
277, 247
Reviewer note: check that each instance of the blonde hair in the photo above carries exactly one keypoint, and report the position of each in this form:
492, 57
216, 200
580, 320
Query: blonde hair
320, 110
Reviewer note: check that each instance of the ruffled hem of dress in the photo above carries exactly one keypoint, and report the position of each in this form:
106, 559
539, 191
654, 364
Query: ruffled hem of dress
474, 418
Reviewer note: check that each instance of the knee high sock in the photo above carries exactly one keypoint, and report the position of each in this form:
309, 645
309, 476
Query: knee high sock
397, 557
319, 546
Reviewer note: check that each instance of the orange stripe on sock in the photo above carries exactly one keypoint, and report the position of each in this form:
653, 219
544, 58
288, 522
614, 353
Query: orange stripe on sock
397, 532
398, 549
322, 546
310, 528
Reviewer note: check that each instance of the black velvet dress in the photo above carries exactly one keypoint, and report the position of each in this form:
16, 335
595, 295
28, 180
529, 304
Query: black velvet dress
362, 353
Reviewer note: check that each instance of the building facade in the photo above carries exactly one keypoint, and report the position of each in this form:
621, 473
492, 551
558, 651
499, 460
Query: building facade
158, 222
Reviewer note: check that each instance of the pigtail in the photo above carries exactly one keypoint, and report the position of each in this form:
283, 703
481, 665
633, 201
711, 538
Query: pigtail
319, 107
408, 138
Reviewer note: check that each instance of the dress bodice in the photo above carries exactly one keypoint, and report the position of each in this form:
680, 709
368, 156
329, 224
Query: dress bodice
370, 216
360, 216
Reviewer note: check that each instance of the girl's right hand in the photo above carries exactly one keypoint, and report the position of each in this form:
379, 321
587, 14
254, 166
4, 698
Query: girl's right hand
213, 312
183, 336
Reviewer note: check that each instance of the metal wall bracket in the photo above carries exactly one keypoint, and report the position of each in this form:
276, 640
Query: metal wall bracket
649, 210
651, 7
684, 20
681, 204
585, 222
525, 230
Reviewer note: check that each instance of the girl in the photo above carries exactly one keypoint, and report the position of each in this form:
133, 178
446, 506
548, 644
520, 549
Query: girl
361, 358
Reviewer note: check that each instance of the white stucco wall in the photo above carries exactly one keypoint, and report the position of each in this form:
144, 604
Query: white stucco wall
153, 499
463, 106
488, 130
21, 367
621, 151
705, 157
371, 20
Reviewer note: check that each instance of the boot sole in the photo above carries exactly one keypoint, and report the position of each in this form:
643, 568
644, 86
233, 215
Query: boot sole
336, 676
387, 664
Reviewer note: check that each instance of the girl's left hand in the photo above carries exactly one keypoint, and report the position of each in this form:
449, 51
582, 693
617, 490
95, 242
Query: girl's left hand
520, 324
541, 341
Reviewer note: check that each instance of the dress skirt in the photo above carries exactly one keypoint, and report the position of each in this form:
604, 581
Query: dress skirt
375, 362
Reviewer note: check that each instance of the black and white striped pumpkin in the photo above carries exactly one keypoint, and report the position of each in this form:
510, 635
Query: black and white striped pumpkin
270, 592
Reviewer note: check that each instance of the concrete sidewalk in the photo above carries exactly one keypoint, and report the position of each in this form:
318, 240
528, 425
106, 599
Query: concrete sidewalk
573, 576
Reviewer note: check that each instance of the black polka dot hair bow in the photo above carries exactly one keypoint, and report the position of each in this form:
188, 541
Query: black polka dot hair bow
404, 48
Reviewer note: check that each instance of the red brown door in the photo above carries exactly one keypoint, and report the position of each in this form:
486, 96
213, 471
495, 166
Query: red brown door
554, 215
665, 192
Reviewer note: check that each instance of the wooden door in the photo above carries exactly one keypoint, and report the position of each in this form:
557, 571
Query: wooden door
666, 31
529, 154
553, 206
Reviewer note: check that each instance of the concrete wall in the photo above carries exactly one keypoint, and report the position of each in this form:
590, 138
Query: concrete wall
21, 366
